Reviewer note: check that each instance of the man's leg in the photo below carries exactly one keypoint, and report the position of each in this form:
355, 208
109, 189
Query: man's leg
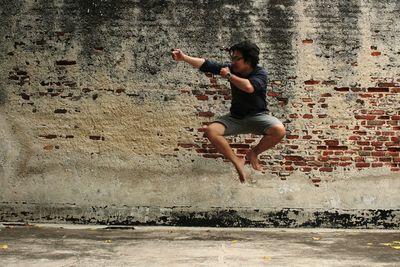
272, 137
215, 133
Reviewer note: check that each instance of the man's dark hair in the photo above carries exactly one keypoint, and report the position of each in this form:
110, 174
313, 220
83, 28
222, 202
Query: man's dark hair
249, 51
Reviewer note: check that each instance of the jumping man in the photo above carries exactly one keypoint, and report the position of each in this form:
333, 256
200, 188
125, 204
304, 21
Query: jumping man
249, 111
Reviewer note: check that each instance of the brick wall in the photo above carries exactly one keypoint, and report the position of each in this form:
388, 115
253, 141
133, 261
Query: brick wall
94, 110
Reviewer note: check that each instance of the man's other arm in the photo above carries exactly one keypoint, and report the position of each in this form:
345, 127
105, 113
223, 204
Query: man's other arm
196, 62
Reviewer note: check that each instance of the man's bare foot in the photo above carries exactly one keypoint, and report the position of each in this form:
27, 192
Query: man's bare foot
252, 157
240, 169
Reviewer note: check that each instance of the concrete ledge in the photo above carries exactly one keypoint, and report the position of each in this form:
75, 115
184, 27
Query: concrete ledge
198, 216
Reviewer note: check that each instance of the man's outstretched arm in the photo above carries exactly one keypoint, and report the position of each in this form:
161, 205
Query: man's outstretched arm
196, 62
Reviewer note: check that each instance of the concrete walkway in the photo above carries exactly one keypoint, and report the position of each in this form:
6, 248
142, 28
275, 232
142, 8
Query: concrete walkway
69, 245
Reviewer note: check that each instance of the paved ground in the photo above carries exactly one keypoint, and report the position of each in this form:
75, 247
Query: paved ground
68, 245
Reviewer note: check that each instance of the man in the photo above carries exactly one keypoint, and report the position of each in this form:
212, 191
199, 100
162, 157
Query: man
248, 112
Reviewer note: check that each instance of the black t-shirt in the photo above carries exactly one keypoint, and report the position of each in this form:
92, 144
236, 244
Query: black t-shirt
244, 104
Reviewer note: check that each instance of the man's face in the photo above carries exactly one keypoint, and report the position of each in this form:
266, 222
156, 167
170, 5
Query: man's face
238, 63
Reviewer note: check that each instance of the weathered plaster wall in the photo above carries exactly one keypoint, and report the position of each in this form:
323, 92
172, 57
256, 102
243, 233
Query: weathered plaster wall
98, 124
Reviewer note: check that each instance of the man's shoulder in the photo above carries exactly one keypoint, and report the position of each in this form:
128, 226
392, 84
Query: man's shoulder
259, 71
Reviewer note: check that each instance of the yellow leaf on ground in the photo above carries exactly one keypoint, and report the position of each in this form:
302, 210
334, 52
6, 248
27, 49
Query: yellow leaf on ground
3, 246
234, 241
266, 258
316, 238
107, 241
395, 247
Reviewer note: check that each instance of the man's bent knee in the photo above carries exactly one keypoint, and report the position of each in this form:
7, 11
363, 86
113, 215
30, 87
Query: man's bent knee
277, 131
215, 129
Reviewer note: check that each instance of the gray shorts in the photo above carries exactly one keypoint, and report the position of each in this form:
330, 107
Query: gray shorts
255, 124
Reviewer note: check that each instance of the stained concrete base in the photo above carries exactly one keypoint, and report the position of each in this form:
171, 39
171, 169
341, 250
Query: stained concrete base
69, 245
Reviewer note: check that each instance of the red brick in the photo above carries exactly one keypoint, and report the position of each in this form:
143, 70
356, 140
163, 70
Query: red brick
396, 117
365, 117
378, 153
240, 145
395, 90
311, 82
337, 147
375, 53
359, 159
307, 100
387, 84
363, 143
307, 41
376, 144
323, 158
362, 165
366, 95
377, 112
385, 159
308, 116
206, 114
315, 164
378, 89
382, 138
395, 139
202, 97
272, 93
341, 89
375, 123
366, 148
355, 138
326, 169
292, 137
390, 144
326, 95
294, 158
331, 142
